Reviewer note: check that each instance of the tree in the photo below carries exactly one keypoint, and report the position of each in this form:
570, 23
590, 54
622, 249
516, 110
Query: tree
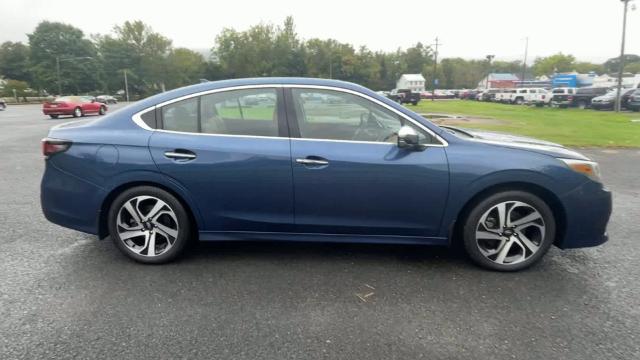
20, 88
53, 42
14, 61
554, 64
613, 65
184, 67
584, 67
135, 48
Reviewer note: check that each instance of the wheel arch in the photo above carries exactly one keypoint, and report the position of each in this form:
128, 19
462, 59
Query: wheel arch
103, 227
545, 194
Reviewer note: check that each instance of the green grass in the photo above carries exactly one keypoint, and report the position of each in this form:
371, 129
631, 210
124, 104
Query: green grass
571, 127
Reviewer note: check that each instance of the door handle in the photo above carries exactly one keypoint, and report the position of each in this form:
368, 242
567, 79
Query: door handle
316, 162
180, 155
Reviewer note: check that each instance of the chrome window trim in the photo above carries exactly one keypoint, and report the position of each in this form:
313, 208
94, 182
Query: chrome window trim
137, 119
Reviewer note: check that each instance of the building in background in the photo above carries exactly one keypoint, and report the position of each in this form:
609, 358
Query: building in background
413, 82
498, 80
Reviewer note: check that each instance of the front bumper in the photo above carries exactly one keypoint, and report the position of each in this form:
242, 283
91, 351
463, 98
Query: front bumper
602, 105
587, 212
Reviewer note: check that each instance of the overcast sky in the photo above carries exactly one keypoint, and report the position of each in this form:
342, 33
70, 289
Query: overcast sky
588, 29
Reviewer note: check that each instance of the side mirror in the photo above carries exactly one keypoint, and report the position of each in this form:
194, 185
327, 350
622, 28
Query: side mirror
408, 138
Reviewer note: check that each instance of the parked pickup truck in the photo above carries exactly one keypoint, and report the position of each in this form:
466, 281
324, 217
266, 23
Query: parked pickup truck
562, 97
404, 96
583, 96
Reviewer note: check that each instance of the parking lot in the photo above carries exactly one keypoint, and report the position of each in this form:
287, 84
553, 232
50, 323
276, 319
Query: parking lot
64, 294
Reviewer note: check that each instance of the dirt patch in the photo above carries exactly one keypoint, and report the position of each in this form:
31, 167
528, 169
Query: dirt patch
447, 119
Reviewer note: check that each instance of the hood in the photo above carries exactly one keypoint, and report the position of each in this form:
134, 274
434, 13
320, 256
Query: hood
521, 142
605, 98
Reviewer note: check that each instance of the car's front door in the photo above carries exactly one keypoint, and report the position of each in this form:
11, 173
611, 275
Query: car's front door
350, 177
231, 151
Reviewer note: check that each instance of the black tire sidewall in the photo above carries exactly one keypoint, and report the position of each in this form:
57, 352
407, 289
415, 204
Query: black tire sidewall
184, 226
471, 221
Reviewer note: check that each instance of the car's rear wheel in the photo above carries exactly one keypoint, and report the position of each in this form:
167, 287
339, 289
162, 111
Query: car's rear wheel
509, 231
149, 225
582, 104
77, 112
53, 116
102, 110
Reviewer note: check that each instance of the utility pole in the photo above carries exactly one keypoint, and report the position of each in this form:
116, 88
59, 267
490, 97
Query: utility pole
489, 59
126, 85
435, 68
524, 63
620, 71
58, 75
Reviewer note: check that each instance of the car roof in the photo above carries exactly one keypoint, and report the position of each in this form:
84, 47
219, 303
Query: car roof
212, 85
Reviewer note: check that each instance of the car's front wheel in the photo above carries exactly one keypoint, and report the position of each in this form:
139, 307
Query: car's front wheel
509, 231
149, 225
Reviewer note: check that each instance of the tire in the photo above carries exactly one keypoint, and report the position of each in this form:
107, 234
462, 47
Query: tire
53, 116
102, 111
527, 243
519, 101
414, 103
168, 227
582, 104
77, 112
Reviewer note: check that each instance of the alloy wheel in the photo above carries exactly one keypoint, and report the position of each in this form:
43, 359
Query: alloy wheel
147, 226
510, 232
77, 112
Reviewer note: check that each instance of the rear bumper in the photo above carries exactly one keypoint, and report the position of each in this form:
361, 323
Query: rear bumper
69, 201
587, 210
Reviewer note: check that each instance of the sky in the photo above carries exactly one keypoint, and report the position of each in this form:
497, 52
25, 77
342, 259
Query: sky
588, 29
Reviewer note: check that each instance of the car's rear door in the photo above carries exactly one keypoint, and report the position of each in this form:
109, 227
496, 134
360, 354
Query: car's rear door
230, 150
349, 175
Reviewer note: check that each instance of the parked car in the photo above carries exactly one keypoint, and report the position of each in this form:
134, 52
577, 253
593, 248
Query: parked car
634, 101
608, 100
540, 97
583, 96
488, 95
562, 97
472, 95
3, 104
404, 96
75, 106
191, 163
106, 99
505, 96
528, 96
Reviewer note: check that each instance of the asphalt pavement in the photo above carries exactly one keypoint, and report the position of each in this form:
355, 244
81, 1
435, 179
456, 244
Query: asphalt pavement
64, 294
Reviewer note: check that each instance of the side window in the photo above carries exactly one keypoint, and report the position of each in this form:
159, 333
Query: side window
181, 116
334, 115
240, 112
236, 112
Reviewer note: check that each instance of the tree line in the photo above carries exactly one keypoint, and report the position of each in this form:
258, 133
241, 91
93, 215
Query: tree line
60, 58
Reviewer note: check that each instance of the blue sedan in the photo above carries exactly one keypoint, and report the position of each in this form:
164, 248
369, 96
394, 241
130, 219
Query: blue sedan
314, 160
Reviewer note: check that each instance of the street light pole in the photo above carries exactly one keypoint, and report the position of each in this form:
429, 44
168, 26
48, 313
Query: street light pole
524, 63
435, 69
620, 71
58, 60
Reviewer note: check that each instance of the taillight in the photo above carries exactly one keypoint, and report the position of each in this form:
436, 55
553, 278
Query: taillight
543, 97
54, 146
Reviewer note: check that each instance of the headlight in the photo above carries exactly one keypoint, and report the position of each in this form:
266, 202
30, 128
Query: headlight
588, 168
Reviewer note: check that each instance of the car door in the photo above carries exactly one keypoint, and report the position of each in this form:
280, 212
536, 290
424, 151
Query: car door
88, 106
230, 150
350, 177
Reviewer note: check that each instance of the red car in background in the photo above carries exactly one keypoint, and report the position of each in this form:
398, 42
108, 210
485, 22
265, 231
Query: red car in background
75, 106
